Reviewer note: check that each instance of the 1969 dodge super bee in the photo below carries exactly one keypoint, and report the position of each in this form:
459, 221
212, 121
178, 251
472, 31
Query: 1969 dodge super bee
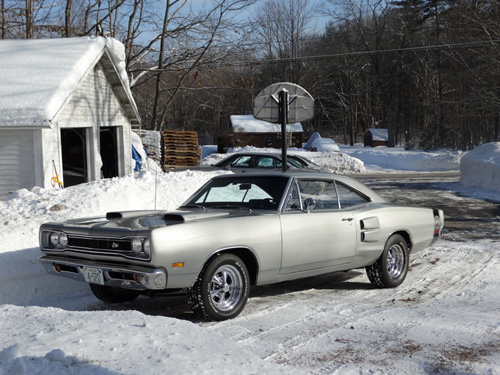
239, 230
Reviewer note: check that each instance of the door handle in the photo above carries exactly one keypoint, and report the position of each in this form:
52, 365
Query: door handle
347, 219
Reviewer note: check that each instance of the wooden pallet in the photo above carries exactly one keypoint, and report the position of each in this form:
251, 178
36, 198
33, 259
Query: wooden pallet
180, 148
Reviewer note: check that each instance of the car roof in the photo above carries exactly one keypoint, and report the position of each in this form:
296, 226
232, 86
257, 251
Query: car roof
355, 184
255, 153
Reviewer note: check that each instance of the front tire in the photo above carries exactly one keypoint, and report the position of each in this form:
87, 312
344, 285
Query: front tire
221, 290
390, 269
110, 294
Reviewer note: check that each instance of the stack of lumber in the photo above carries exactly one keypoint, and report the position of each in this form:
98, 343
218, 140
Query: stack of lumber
180, 148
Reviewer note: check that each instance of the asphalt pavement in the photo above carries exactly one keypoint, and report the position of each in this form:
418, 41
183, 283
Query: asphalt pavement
466, 217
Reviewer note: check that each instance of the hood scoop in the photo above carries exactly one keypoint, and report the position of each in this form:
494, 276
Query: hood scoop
128, 214
174, 218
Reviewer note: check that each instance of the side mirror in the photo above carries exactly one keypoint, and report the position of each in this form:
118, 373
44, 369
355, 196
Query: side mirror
309, 204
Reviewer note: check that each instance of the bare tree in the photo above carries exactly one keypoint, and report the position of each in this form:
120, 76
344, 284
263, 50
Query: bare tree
282, 27
189, 38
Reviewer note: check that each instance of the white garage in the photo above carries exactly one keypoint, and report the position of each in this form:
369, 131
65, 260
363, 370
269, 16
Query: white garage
66, 112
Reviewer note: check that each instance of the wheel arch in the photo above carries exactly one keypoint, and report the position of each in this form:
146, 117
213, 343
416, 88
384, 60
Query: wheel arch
246, 255
406, 235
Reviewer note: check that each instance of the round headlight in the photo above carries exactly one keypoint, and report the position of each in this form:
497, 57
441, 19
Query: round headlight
136, 245
147, 247
54, 239
58, 240
63, 240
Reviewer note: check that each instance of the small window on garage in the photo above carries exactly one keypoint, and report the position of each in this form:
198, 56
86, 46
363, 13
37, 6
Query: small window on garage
349, 197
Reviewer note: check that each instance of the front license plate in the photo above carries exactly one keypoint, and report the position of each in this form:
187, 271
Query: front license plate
93, 276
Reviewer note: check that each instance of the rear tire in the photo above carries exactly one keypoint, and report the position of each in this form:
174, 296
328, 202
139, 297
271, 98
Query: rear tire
110, 294
390, 269
221, 290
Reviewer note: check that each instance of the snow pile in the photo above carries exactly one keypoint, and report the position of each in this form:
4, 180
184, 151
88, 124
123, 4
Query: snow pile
397, 158
481, 167
121, 342
334, 162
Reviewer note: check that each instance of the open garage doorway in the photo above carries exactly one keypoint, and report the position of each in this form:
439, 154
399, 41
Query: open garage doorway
109, 152
74, 156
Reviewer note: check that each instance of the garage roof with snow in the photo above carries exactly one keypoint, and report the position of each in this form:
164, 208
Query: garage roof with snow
249, 124
39, 75
379, 134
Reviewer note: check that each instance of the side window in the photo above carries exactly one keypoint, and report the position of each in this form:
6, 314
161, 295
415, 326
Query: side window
323, 193
266, 162
349, 197
242, 161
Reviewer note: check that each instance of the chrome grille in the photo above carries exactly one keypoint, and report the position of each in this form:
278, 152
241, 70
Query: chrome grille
121, 246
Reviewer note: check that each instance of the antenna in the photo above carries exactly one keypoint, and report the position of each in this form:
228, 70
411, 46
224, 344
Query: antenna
156, 182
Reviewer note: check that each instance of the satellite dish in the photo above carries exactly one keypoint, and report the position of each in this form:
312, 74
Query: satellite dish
300, 103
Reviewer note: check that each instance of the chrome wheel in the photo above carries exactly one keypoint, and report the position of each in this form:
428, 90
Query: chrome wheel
390, 269
221, 289
395, 261
226, 287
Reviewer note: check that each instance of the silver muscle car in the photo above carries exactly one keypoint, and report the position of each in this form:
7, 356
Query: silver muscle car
238, 230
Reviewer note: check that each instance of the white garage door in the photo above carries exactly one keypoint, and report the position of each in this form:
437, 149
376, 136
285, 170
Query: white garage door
17, 160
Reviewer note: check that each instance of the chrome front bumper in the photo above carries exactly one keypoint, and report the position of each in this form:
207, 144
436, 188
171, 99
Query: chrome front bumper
127, 277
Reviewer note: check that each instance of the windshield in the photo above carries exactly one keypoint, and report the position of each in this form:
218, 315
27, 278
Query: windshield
241, 192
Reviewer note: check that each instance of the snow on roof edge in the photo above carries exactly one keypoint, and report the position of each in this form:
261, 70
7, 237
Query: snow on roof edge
39, 76
249, 124
379, 134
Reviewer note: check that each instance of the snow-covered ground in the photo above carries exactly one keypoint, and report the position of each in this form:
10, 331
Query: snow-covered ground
386, 159
443, 320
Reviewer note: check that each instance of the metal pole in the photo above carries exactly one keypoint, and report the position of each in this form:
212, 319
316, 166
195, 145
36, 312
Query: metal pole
283, 112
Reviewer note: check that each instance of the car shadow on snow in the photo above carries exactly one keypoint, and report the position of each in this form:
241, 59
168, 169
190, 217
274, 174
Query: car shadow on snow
175, 305
52, 364
336, 281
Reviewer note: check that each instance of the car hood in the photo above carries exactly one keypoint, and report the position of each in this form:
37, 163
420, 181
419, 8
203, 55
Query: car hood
140, 220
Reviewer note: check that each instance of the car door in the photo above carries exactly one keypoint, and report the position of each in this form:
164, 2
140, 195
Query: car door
315, 236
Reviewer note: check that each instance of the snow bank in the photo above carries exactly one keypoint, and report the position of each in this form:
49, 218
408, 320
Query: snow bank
481, 167
399, 159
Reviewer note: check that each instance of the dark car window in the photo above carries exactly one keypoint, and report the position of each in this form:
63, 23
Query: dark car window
323, 193
349, 197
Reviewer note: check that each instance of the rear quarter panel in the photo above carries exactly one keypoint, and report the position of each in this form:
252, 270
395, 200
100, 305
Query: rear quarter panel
378, 222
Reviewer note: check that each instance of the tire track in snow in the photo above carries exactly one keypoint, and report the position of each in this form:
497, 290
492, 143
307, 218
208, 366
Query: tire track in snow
284, 328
